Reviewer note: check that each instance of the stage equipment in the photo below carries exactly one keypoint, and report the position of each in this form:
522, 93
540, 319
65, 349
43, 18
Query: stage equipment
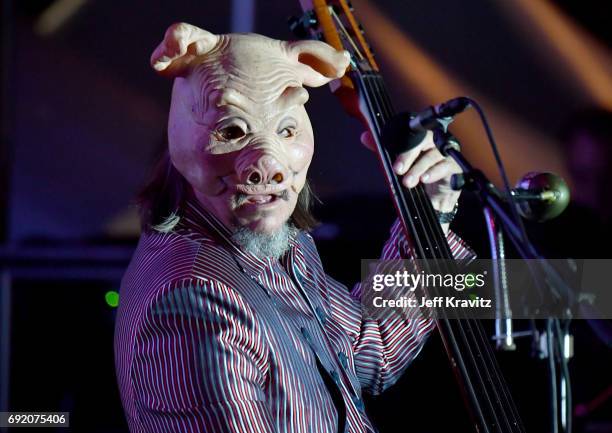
555, 341
541, 196
440, 115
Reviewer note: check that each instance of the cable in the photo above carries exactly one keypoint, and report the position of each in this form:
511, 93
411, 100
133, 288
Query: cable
554, 331
552, 368
564, 367
501, 168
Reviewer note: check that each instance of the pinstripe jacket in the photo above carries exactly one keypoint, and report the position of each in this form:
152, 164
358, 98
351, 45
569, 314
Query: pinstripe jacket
210, 338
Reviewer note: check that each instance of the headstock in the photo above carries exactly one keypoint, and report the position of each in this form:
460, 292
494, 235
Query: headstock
333, 22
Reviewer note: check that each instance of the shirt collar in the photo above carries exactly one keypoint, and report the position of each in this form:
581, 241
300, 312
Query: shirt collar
195, 217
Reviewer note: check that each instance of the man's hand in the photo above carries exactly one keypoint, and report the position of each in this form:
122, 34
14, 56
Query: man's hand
425, 164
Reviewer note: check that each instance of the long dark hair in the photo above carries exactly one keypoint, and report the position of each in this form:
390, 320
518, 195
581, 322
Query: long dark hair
160, 200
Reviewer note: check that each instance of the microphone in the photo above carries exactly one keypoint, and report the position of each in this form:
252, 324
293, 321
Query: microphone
405, 130
438, 115
541, 196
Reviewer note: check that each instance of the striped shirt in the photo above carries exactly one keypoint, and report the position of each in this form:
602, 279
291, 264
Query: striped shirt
210, 338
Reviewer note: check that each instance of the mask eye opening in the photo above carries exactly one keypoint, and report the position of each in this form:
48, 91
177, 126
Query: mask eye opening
232, 132
287, 132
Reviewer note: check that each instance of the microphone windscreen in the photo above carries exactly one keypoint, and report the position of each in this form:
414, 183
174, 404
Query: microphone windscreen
397, 137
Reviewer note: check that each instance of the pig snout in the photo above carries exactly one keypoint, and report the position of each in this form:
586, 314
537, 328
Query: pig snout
264, 170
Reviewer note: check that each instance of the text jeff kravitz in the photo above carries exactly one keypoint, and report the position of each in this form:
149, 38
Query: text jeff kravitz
433, 302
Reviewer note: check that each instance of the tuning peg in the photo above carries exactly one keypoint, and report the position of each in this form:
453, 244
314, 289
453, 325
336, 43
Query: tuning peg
301, 26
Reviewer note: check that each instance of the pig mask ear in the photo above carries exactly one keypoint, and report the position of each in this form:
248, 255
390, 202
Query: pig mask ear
319, 63
181, 45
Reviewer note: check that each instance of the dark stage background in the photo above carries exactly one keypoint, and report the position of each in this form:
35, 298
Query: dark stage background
84, 120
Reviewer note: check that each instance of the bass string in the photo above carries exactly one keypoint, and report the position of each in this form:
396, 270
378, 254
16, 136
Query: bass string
422, 240
418, 209
475, 327
439, 245
418, 237
385, 108
380, 113
475, 330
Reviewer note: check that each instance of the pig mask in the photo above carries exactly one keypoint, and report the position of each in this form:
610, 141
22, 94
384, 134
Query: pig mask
238, 131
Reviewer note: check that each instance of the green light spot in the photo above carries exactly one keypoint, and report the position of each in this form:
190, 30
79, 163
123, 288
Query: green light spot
112, 298
472, 296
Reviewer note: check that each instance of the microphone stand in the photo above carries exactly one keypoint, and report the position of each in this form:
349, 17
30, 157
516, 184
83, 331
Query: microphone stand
495, 207
504, 336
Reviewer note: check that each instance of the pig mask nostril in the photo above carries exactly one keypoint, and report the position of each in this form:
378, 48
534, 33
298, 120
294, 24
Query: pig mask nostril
254, 178
277, 178
265, 170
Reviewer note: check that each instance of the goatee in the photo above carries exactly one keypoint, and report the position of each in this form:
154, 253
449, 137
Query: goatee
262, 245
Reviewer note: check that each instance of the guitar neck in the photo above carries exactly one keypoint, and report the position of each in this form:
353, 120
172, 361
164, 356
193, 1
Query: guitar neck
412, 205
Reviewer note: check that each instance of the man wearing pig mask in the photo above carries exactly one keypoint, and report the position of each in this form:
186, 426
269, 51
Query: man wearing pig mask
227, 321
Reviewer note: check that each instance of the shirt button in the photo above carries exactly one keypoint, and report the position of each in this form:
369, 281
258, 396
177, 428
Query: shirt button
343, 359
335, 376
320, 314
306, 335
359, 404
